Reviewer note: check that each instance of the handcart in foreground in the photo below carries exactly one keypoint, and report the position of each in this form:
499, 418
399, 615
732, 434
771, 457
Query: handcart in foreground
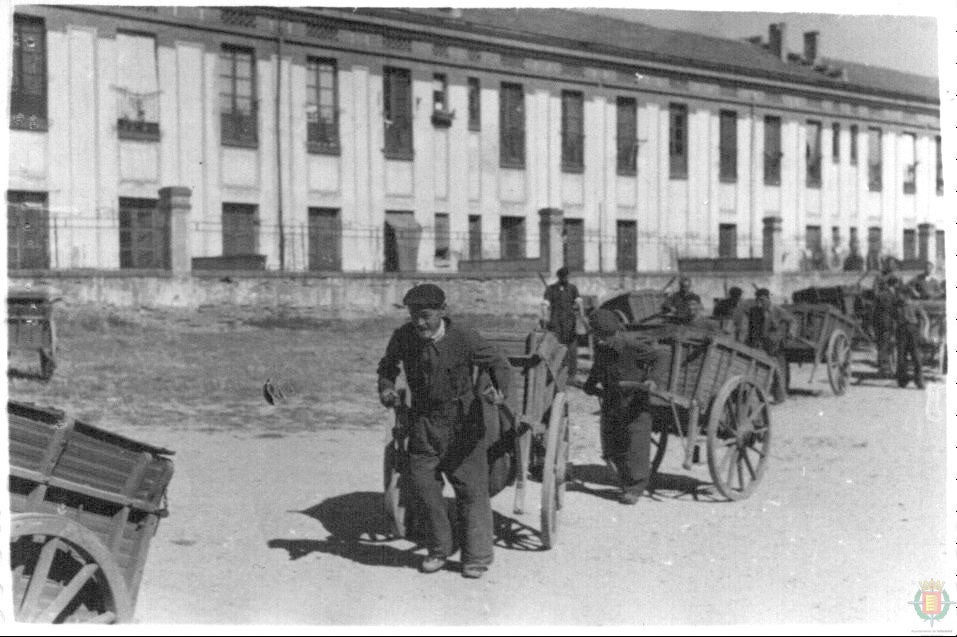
85, 504
526, 434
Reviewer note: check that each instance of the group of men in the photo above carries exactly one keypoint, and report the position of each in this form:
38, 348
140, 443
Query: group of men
447, 435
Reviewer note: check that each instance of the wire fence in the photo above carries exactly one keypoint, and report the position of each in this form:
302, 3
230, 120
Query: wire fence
63, 240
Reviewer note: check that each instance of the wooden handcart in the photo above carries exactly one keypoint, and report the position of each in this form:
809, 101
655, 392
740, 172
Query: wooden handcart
529, 433
85, 505
30, 327
933, 334
821, 334
716, 393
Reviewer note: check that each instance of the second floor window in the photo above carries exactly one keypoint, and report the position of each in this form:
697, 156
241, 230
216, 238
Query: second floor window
728, 146
836, 143
512, 126
397, 103
138, 94
812, 151
322, 106
573, 131
772, 151
874, 162
237, 97
28, 92
475, 104
853, 144
678, 141
910, 163
940, 167
627, 136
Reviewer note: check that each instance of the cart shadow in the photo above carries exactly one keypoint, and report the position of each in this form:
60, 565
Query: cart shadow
663, 485
360, 530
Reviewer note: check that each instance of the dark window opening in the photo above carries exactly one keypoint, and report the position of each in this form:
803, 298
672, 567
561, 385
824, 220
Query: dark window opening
325, 240
512, 125
874, 160
240, 229
512, 237
397, 98
237, 97
573, 131
772, 151
475, 104
573, 244
28, 92
442, 237
28, 223
627, 136
728, 146
144, 235
678, 141
728, 241
812, 153
322, 106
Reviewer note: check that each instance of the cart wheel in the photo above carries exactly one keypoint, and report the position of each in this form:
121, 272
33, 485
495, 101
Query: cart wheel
395, 498
63, 573
739, 437
554, 470
838, 362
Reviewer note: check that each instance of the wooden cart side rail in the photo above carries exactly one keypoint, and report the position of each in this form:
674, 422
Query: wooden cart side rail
82, 489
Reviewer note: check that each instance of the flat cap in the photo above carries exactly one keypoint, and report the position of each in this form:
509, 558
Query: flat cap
604, 322
562, 271
425, 295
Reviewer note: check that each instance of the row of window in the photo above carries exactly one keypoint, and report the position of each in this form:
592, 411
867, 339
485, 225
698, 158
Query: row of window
238, 99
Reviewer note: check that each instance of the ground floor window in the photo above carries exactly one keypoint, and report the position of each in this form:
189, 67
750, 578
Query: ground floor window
512, 238
627, 259
402, 235
325, 239
573, 242
475, 237
728, 241
28, 228
144, 235
240, 229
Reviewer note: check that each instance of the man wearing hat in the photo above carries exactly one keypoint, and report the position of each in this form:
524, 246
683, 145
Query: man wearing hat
447, 432
626, 417
764, 326
562, 300
725, 308
883, 320
677, 304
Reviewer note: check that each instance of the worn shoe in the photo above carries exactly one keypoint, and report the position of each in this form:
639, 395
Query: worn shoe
432, 563
474, 571
629, 498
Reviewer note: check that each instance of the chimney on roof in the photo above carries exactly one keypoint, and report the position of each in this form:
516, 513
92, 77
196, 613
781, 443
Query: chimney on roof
776, 45
810, 47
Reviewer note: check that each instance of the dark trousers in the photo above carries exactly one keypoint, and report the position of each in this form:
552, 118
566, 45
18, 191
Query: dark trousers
908, 339
883, 333
571, 358
627, 443
453, 444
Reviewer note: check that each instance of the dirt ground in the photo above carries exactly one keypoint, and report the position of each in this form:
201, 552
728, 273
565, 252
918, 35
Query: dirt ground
276, 518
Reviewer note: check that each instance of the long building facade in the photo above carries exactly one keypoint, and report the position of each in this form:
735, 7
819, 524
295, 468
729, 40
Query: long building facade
388, 139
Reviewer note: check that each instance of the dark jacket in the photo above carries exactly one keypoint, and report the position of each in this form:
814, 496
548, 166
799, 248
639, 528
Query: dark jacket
561, 308
618, 359
439, 373
678, 304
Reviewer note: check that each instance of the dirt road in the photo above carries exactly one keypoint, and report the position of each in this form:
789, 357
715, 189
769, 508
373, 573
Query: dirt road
276, 512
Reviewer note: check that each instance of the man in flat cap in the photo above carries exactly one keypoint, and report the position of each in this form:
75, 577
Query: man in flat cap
563, 300
447, 432
908, 315
765, 326
626, 417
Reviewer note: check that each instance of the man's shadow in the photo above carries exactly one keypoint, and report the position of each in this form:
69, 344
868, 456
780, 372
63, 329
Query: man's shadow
360, 530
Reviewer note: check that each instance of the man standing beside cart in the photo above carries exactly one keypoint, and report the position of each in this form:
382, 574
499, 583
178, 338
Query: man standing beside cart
626, 416
678, 304
563, 300
447, 432
907, 316
764, 326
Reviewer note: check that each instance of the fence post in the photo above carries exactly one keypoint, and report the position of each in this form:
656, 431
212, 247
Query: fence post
174, 201
550, 226
773, 247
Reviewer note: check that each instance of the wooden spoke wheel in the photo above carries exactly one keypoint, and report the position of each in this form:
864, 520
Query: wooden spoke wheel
739, 437
63, 573
838, 358
554, 469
